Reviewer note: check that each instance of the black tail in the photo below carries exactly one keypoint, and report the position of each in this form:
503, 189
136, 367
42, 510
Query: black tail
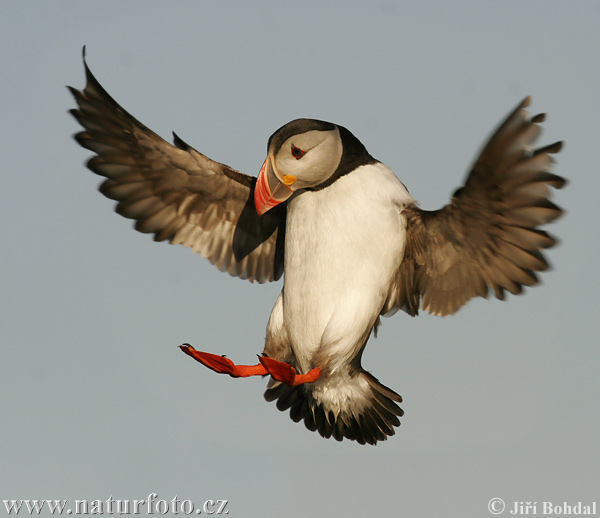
358, 408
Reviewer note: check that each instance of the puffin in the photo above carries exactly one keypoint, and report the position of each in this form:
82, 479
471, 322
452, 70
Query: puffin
344, 232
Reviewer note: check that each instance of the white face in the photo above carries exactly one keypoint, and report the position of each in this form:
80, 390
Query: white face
310, 157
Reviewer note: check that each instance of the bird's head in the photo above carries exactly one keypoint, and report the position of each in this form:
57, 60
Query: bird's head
303, 154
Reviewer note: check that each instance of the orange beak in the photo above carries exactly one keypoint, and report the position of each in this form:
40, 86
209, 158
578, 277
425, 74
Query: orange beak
271, 189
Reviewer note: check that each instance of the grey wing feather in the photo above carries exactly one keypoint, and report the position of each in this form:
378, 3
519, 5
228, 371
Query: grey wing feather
176, 193
487, 237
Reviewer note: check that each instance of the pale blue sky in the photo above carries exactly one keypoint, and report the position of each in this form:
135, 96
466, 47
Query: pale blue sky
501, 400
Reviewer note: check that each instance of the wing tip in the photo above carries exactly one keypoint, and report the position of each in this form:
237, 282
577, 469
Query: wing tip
88, 72
538, 119
180, 143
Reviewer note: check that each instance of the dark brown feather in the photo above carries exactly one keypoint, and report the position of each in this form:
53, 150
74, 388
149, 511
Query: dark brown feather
487, 237
175, 192
369, 418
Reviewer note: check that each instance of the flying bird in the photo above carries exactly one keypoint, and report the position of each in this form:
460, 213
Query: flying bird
343, 230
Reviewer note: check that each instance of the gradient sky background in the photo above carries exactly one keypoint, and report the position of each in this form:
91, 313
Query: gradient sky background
501, 400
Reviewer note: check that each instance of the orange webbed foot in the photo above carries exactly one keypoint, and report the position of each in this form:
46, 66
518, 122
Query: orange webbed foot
223, 365
285, 373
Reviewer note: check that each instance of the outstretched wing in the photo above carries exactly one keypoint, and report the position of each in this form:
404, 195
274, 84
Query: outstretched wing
176, 193
488, 236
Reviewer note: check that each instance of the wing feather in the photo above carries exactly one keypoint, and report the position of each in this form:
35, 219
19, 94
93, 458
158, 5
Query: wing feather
487, 237
177, 193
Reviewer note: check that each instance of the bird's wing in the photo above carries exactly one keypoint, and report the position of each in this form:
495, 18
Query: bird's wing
488, 236
176, 193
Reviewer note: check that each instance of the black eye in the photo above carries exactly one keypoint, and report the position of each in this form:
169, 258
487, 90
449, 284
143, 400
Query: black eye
297, 153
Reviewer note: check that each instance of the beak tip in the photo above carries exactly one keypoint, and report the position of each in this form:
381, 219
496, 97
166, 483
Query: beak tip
261, 210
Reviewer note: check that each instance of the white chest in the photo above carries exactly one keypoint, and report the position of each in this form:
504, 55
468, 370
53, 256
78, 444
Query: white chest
343, 244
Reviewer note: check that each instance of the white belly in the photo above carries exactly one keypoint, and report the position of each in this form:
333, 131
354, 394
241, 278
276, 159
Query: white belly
343, 245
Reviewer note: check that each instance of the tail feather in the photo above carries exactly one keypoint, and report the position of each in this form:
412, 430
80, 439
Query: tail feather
358, 407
